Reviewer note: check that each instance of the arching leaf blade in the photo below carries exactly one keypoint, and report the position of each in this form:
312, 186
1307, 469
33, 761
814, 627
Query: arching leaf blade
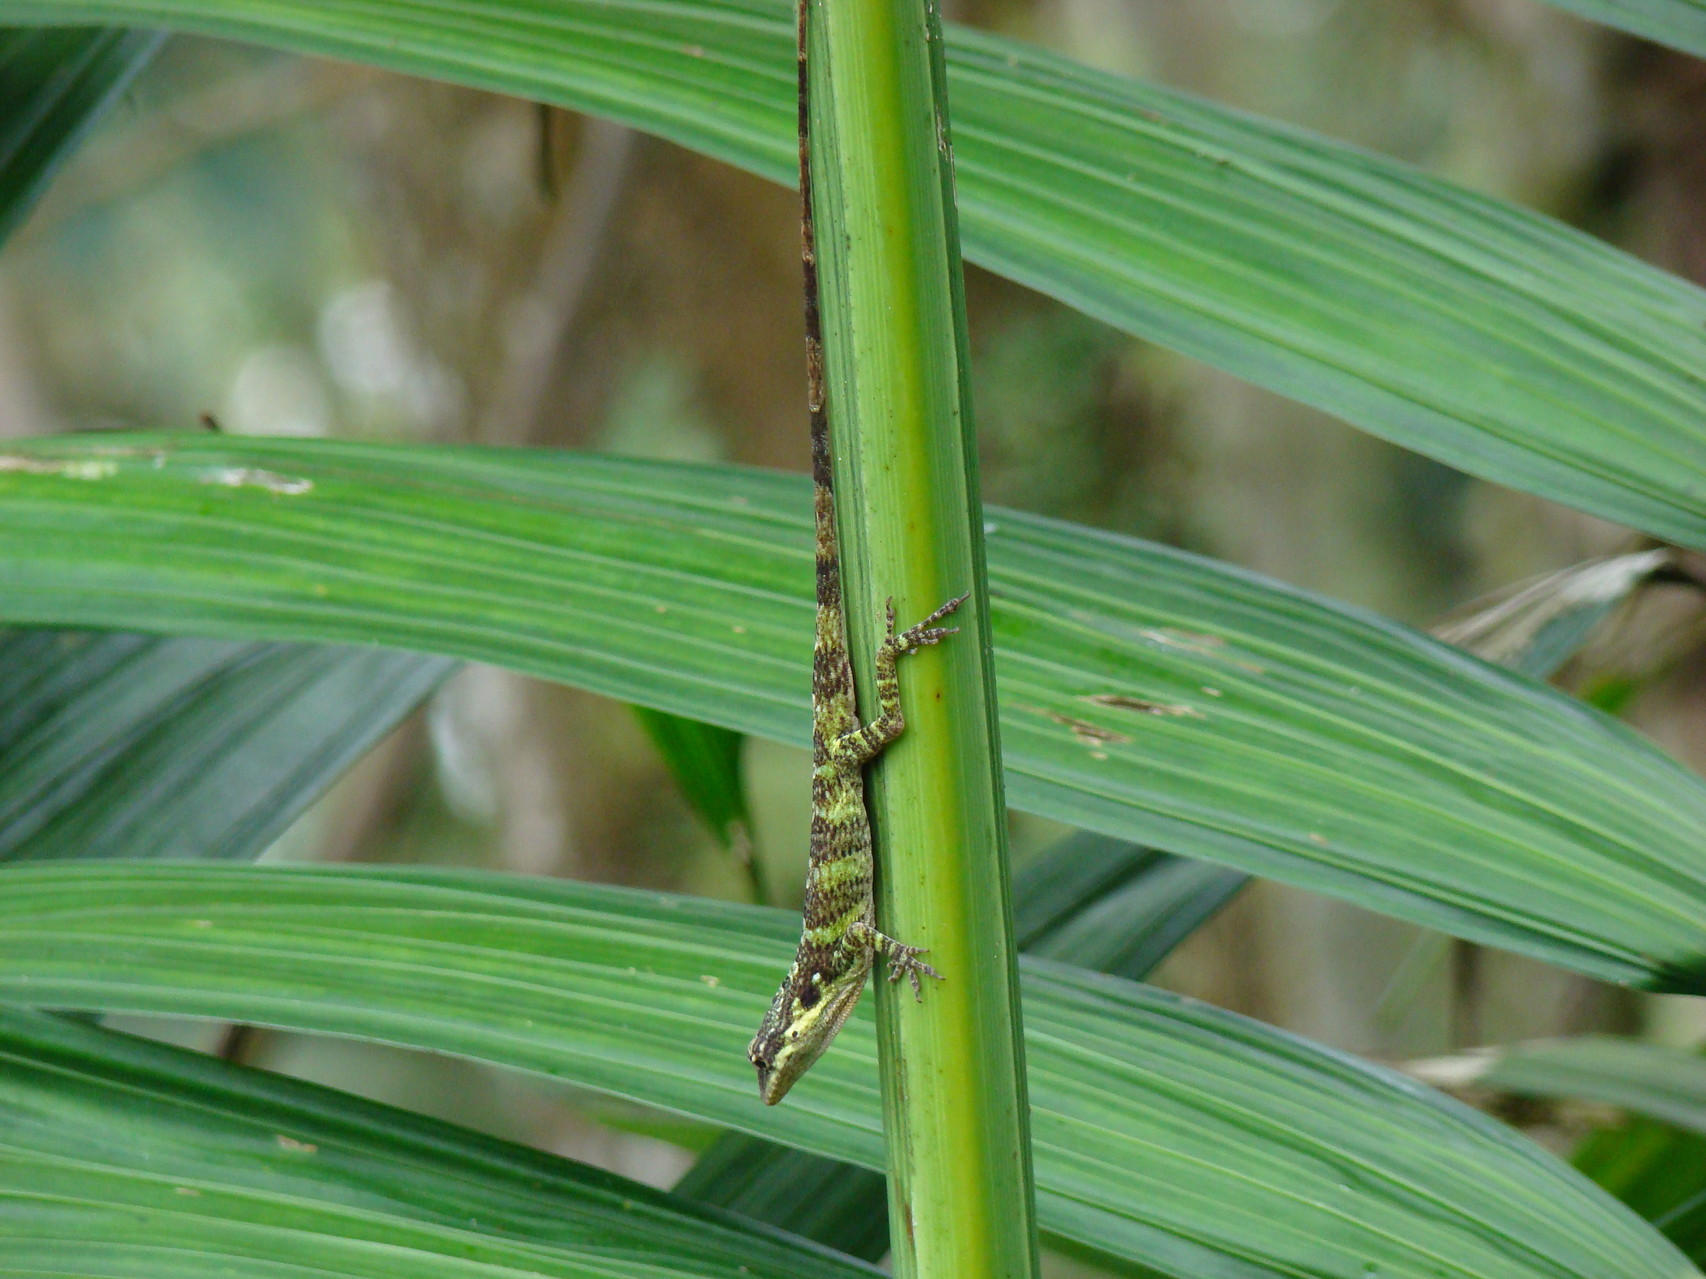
837, 1204
1146, 694
1649, 1079
1167, 1134
1491, 338
133, 1158
126, 745
1112, 906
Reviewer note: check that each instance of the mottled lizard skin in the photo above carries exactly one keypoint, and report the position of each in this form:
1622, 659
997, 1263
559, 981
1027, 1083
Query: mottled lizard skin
839, 941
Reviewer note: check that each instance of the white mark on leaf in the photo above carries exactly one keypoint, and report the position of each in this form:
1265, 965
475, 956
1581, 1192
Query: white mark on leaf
1120, 701
238, 477
70, 468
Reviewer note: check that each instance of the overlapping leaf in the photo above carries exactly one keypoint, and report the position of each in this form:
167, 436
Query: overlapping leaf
120, 1157
1493, 339
834, 1203
1649, 1079
1167, 1133
1112, 906
1537, 626
1145, 693
53, 86
1657, 1170
118, 745
1678, 23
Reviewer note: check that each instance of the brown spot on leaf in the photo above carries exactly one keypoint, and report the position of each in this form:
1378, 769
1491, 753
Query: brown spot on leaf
1143, 706
1086, 732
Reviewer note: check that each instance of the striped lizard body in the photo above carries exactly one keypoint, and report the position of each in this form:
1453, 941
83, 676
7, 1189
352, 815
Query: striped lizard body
839, 941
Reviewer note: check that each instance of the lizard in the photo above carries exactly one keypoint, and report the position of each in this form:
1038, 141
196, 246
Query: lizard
839, 941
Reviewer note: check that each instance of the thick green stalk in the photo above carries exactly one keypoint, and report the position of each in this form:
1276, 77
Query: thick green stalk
894, 317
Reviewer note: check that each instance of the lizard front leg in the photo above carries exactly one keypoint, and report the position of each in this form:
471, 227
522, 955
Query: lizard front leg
864, 744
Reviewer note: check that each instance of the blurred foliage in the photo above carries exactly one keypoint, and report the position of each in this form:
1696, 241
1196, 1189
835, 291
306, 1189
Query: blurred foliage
1657, 1170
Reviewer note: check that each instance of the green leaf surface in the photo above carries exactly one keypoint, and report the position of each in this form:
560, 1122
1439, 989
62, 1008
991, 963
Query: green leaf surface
1167, 1133
1678, 23
125, 1158
1658, 1171
1649, 1079
704, 759
54, 84
1482, 335
822, 1199
1145, 693
123, 745
1113, 906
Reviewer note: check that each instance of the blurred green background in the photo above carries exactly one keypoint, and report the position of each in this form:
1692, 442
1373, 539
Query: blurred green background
308, 248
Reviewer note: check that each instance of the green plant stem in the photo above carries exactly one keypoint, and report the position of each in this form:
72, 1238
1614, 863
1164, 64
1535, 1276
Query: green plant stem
910, 523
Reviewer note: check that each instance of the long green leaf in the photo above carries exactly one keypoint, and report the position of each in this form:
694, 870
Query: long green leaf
1665, 1083
117, 745
1490, 338
53, 86
1656, 1169
120, 1157
1145, 693
1167, 1133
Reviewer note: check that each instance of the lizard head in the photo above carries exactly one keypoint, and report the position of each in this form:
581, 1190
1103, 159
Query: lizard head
805, 1015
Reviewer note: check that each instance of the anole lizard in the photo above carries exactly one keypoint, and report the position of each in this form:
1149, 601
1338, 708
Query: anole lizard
839, 941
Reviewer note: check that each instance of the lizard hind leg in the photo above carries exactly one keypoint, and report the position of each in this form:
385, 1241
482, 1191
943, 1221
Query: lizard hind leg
903, 960
926, 632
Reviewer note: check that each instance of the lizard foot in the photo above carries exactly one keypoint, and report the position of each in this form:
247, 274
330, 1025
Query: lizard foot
926, 632
904, 961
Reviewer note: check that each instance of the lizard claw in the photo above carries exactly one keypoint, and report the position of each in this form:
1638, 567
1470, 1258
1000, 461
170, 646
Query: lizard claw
905, 960
924, 633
